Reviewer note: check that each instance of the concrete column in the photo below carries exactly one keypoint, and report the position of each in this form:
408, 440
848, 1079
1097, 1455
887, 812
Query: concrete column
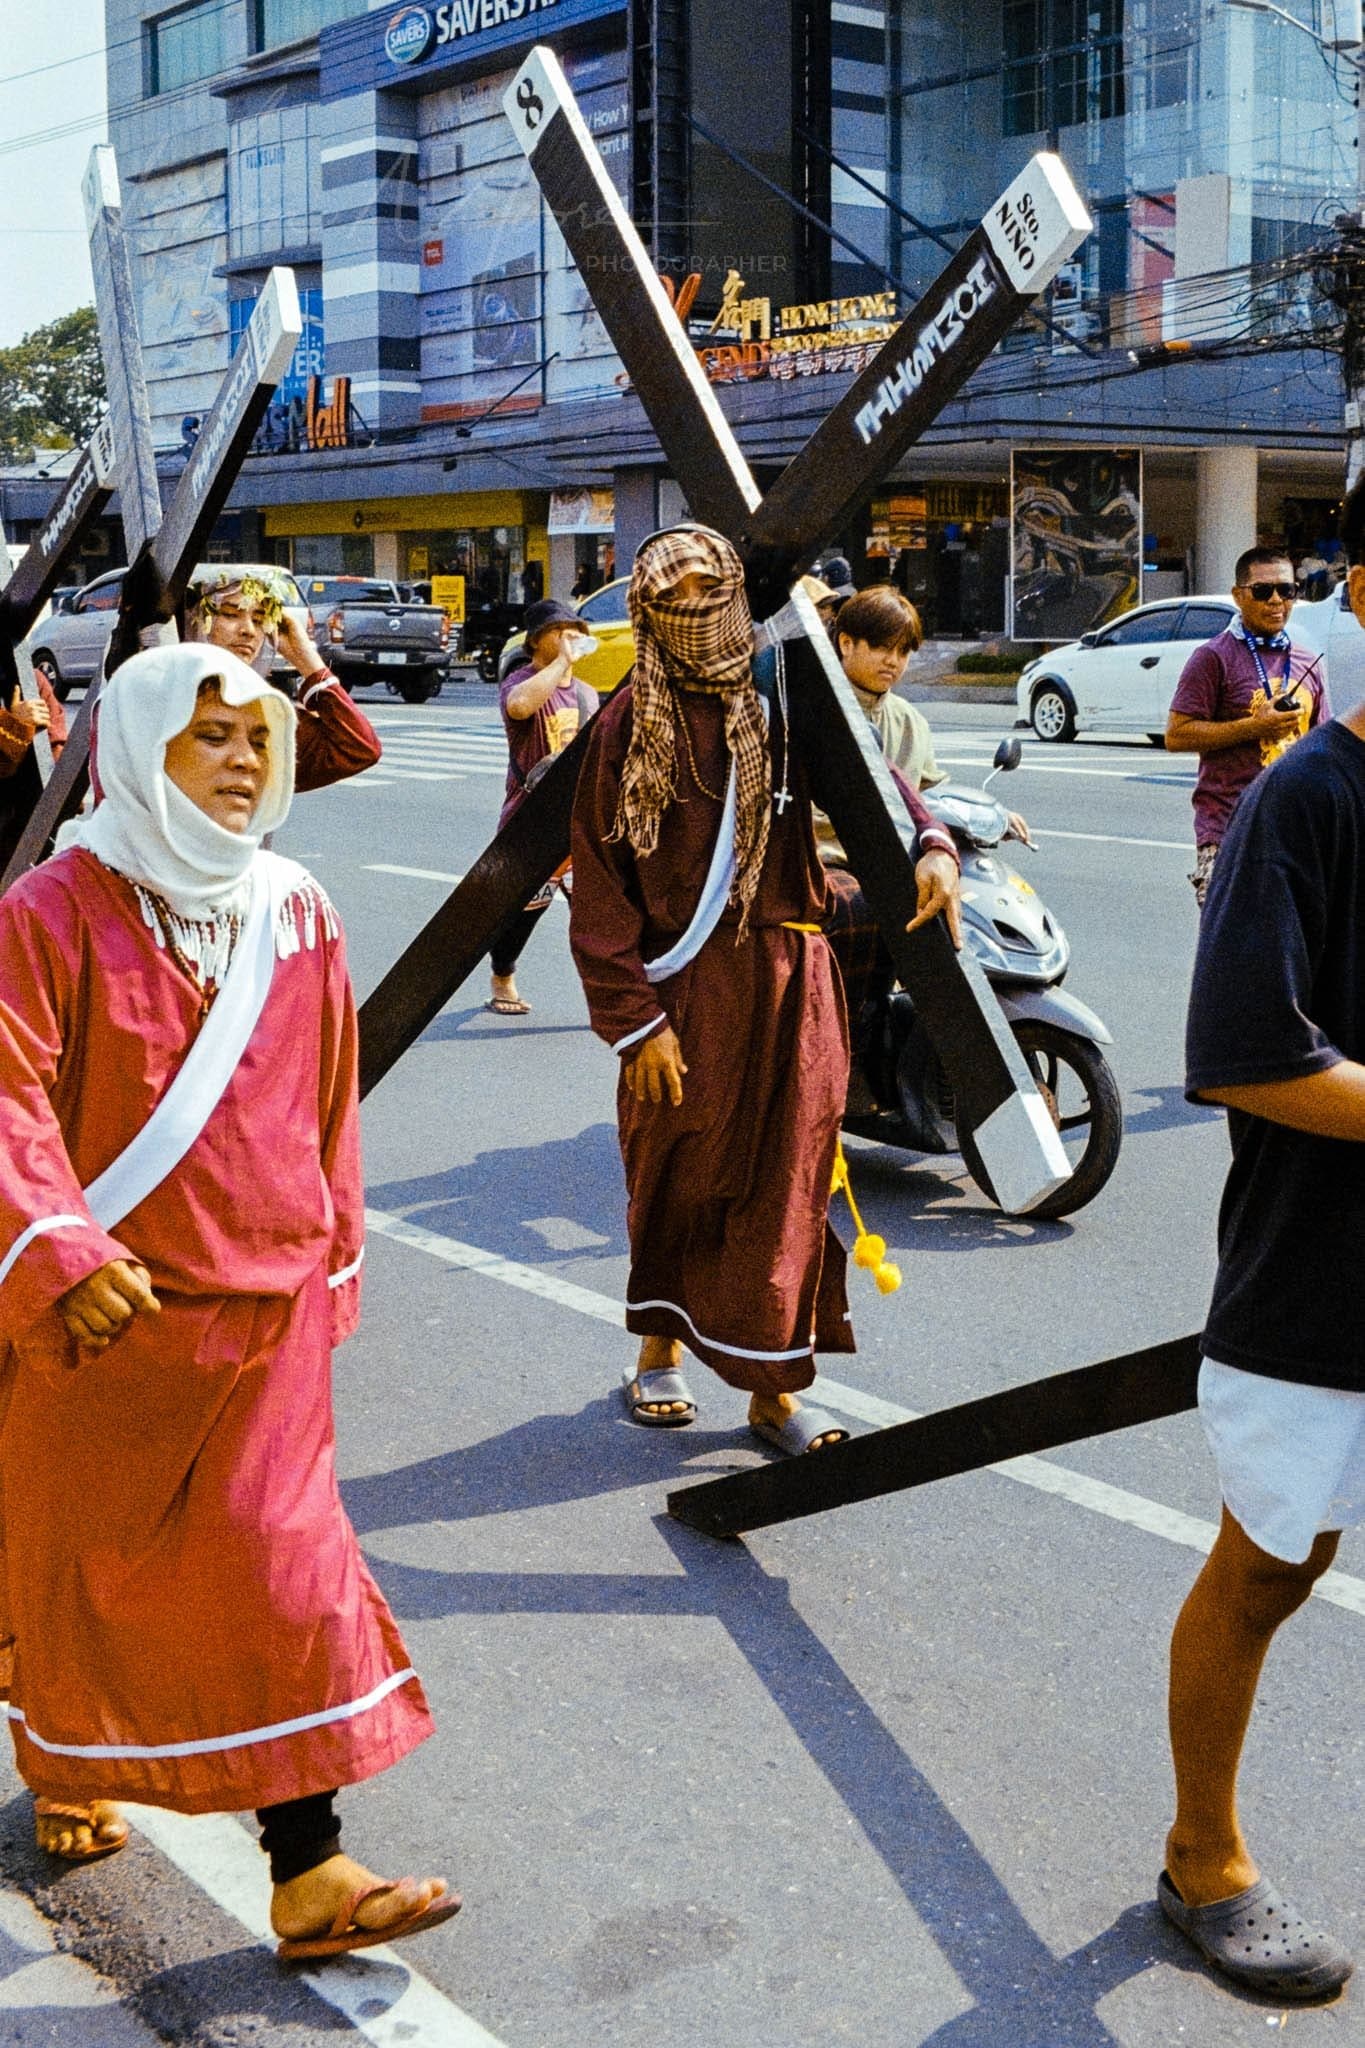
1225, 513
386, 556
562, 573
637, 513
371, 276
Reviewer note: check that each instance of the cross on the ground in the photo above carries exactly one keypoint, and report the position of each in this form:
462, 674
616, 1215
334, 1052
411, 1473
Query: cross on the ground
1029, 232
124, 446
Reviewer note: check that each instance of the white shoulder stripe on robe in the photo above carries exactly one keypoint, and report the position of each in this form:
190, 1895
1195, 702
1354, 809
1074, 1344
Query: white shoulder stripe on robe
180, 1116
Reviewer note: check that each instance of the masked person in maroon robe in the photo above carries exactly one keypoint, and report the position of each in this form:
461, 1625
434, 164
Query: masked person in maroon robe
181, 1216
694, 928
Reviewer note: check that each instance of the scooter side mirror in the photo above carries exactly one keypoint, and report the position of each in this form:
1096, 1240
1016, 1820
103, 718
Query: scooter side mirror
1008, 754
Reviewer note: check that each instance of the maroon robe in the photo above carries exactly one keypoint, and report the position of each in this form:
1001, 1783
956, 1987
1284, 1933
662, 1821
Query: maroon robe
731, 1250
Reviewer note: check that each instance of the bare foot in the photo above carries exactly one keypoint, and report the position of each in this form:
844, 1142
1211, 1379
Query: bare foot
308, 1905
773, 1409
78, 1832
505, 997
660, 1354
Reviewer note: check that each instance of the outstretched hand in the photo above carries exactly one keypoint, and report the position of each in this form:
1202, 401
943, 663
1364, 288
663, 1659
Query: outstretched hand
98, 1308
939, 888
655, 1074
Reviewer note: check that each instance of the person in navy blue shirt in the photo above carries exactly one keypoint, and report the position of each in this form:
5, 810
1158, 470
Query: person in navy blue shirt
1276, 1033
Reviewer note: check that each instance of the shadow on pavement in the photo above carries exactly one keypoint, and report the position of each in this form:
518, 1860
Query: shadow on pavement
1022, 1993
540, 1463
490, 1201
1165, 1109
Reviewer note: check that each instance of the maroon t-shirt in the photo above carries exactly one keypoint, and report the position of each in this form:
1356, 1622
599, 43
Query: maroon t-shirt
1219, 682
547, 731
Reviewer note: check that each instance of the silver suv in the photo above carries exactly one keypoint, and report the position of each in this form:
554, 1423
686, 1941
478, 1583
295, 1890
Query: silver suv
69, 646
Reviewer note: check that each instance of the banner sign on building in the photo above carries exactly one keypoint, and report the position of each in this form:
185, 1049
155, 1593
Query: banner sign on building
1075, 539
582, 511
414, 47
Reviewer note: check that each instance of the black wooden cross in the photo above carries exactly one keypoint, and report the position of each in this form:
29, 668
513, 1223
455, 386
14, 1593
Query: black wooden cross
176, 539
1024, 238
1029, 232
86, 492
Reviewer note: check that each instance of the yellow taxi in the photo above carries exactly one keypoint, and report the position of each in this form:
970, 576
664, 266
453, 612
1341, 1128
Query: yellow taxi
605, 616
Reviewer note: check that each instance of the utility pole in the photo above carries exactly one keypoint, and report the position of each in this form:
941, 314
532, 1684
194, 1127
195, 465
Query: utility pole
1341, 274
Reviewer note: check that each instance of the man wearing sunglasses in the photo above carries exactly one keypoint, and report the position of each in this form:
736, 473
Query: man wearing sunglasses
1243, 699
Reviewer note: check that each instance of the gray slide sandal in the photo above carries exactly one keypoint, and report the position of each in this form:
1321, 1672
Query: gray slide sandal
1258, 1939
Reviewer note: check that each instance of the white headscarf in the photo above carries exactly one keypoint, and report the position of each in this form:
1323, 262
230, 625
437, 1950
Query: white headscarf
147, 828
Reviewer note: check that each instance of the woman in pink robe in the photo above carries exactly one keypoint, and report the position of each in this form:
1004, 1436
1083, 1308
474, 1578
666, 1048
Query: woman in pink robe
195, 1626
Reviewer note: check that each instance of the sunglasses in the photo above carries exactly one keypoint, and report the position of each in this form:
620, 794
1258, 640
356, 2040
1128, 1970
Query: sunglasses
1263, 592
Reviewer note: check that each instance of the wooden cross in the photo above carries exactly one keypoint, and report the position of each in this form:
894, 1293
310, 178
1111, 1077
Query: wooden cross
122, 450
1029, 232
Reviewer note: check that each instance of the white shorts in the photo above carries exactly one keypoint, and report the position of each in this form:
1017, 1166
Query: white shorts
1291, 1459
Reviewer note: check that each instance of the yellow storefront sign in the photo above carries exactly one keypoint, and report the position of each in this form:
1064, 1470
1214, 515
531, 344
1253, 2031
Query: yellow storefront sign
410, 515
448, 591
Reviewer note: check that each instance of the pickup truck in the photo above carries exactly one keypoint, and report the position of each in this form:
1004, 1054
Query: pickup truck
369, 635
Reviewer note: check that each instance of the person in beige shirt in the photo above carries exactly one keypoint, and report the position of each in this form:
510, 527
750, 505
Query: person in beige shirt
875, 634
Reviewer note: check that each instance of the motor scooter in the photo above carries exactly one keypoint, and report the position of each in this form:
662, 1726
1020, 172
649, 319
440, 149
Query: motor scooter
899, 1094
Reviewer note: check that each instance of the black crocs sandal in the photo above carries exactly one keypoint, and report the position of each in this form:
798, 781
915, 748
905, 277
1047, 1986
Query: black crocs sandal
1258, 1939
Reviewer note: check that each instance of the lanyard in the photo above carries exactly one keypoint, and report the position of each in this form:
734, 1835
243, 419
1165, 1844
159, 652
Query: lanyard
1255, 654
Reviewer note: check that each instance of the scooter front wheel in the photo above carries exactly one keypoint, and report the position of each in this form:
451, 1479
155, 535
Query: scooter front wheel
1077, 1083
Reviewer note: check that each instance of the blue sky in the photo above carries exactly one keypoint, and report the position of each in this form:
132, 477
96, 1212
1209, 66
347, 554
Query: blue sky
44, 269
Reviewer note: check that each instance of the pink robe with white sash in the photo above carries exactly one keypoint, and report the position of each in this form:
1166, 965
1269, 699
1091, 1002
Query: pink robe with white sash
195, 1625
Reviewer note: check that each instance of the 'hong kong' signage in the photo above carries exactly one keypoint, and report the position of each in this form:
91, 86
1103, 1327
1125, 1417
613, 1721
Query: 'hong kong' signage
795, 341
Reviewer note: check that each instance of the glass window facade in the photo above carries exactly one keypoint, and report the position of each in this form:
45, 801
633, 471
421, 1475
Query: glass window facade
183, 47
500, 295
291, 21
1137, 96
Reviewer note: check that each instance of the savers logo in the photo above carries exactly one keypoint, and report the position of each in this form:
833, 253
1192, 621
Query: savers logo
415, 31
409, 36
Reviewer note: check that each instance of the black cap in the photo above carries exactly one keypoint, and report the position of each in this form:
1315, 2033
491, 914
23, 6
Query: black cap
547, 612
839, 576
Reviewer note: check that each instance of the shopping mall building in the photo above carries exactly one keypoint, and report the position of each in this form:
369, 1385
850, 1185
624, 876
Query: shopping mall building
482, 416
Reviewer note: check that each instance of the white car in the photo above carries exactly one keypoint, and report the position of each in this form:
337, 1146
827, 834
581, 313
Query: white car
1332, 630
1121, 677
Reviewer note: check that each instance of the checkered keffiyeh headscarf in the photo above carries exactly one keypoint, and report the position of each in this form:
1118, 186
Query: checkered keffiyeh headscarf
705, 644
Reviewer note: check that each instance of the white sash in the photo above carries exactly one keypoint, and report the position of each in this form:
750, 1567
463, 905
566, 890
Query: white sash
715, 893
210, 1064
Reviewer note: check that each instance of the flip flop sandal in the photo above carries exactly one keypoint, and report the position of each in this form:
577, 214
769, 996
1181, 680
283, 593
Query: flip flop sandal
796, 1436
668, 1385
344, 1935
81, 1816
1261, 1941
508, 1006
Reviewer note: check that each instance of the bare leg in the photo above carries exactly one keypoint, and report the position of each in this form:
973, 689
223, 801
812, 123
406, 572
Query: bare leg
1221, 1637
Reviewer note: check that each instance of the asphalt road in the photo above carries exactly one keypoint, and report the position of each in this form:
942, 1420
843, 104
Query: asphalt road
895, 1776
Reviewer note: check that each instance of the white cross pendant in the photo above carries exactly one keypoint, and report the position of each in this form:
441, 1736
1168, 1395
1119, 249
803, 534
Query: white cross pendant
780, 801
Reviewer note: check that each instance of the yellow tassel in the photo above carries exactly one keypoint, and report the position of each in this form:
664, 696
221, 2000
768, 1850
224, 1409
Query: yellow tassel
869, 1250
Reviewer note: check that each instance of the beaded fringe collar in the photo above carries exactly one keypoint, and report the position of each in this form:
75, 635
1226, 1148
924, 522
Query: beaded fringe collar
206, 946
